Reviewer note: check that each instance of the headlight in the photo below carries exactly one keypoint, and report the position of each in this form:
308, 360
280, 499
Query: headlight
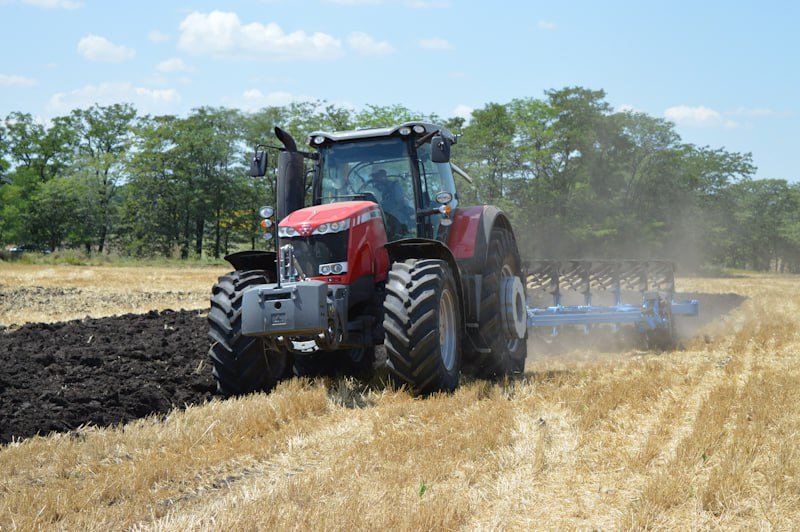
332, 227
404, 130
335, 268
418, 129
287, 232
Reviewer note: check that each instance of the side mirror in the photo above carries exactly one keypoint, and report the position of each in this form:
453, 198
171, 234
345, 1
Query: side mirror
440, 149
258, 166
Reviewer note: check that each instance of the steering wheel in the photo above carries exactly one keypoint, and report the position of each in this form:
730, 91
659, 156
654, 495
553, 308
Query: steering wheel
368, 183
356, 172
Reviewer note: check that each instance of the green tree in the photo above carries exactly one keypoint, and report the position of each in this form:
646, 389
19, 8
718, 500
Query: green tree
103, 139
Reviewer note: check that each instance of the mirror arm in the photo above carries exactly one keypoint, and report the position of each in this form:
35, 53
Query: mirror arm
460, 172
309, 155
425, 138
267, 146
306, 154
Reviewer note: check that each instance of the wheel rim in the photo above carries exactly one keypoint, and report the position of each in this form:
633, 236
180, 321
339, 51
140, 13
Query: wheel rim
447, 329
507, 271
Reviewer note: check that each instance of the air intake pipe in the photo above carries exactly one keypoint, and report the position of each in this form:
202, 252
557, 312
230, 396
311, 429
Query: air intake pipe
291, 176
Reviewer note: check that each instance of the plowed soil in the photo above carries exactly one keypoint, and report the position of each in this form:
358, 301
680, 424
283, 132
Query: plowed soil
59, 376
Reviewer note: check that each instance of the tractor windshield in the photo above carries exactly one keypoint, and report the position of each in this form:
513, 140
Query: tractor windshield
375, 170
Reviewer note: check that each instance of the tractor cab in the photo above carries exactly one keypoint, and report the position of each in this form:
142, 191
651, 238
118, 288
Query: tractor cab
404, 169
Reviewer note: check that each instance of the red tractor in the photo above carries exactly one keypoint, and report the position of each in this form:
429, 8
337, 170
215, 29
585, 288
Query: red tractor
373, 250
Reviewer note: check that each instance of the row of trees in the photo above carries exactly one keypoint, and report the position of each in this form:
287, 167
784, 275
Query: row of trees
578, 179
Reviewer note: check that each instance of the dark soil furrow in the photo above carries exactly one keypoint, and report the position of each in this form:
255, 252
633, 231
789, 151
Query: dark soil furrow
59, 376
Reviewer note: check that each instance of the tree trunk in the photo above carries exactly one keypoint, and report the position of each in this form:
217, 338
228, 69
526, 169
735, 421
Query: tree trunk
198, 236
216, 236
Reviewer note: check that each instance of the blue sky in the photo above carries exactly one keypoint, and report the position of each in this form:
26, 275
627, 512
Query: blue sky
727, 73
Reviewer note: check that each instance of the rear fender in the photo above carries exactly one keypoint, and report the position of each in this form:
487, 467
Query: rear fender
470, 234
254, 260
469, 239
424, 248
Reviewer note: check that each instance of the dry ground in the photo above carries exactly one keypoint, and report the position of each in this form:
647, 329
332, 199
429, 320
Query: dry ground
37, 293
704, 437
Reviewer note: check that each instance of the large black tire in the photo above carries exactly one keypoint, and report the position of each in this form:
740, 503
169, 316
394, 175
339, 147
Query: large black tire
422, 322
241, 364
506, 354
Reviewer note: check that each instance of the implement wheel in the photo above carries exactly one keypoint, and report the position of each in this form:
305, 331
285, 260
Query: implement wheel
507, 351
422, 321
662, 338
242, 364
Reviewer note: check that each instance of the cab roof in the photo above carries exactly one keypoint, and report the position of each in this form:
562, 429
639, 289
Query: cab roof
379, 132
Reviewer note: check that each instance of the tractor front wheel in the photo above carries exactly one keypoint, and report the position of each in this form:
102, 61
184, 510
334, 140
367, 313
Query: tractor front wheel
241, 364
422, 322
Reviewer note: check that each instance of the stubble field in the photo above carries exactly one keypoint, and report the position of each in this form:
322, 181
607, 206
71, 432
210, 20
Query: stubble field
596, 435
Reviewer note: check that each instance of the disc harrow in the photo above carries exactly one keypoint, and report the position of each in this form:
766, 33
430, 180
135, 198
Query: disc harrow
652, 281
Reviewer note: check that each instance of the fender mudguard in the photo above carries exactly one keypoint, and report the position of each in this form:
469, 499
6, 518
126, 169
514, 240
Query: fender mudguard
469, 236
254, 260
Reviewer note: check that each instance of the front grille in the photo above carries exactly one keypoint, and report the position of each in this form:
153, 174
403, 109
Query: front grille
314, 250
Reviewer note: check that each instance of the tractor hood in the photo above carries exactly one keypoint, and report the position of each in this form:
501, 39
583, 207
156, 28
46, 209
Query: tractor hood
310, 218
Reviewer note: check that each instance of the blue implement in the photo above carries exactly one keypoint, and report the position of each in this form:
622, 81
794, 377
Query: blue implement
653, 281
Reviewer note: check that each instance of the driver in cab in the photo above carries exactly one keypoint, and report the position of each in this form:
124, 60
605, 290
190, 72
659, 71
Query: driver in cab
399, 213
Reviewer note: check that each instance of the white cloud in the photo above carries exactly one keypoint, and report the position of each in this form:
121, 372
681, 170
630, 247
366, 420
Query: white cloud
365, 44
435, 43
164, 96
699, 116
16, 81
463, 111
174, 64
751, 112
54, 4
221, 33
546, 25
626, 108
157, 36
254, 99
146, 100
96, 48
356, 2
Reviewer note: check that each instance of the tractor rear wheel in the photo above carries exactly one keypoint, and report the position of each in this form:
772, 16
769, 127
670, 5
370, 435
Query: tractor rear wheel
422, 322
241, 364
507, 352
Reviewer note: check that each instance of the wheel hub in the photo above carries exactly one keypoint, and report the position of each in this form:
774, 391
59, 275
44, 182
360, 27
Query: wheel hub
447, 330
513, 309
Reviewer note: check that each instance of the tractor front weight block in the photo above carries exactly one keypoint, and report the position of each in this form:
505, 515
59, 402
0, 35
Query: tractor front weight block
292, 309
